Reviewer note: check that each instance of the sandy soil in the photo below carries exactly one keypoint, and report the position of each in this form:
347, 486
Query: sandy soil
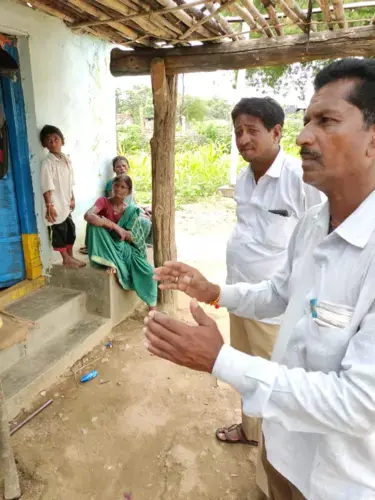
144, 427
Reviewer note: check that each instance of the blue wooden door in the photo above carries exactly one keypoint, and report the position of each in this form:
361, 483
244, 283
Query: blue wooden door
12, 267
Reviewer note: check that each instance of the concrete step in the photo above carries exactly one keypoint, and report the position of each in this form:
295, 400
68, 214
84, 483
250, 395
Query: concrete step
38, 371
105, 297
53, 310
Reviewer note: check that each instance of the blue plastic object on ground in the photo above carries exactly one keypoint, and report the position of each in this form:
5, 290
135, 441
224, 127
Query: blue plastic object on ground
89, 376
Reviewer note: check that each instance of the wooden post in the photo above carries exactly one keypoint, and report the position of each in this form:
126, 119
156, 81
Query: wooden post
164, 90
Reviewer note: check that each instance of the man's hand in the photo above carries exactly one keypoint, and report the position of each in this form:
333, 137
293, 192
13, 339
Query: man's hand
179, 276
195, 347
51, 214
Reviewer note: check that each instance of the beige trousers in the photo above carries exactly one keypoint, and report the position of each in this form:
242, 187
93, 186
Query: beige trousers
255, 338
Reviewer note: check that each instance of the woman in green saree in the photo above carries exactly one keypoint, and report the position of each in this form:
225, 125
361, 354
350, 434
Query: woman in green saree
116, 239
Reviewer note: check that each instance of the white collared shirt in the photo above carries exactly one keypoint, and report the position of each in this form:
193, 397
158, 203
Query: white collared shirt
317, 395
258, 244
57, 176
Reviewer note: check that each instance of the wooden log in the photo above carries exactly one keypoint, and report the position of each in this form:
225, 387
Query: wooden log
249, 53
289, 13
12, 488
219, 18
247, 17
164, 91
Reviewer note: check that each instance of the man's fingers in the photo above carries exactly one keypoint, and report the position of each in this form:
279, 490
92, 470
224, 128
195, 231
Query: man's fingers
157, 352
199, 315
173, 326
162, 333
158, 342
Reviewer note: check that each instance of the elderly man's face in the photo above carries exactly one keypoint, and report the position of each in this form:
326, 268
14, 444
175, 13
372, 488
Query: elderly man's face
336, 146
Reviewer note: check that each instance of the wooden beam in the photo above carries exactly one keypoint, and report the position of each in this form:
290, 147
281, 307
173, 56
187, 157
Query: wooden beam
272, 15
325, 8
164, 91
249, 53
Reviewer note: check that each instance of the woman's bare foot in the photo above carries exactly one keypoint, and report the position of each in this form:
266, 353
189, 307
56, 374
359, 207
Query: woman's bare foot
112, 270
152, 308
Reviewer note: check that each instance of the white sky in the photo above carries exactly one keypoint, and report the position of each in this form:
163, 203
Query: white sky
207, 85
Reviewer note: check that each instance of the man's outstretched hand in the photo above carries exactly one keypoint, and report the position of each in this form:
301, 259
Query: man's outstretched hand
179, 276
193, 346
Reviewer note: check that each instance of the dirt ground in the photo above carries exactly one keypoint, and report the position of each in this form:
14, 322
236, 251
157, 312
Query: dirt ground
144, 428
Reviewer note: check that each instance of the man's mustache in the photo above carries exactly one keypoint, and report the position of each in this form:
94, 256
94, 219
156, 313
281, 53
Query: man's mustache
309, 152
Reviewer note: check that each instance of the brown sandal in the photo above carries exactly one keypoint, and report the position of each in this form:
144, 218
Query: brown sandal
240, 433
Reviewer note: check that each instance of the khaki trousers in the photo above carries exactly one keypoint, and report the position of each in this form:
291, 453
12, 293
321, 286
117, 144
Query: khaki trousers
279, 488
255, 338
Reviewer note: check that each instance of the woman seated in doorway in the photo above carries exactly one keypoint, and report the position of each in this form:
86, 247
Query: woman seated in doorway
120, 166
116, 239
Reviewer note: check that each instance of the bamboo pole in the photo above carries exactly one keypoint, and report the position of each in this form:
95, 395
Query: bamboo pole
300, 13
95, 12
248, 4
205, 19
148, 15
223, 23
291, 15
148, 27
185, 18
12, 490
164, 91
325, 8
338, 9
273, 16
157, 19
247, 17
214, 25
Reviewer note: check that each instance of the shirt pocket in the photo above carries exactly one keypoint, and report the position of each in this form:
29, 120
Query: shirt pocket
278, 229
327, 343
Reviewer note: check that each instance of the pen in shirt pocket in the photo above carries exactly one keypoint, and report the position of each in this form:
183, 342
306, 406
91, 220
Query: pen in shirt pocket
283, 213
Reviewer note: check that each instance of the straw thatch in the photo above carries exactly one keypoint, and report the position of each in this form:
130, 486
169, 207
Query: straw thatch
182, 23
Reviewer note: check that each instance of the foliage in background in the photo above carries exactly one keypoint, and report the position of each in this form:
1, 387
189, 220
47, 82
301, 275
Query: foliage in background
200, 169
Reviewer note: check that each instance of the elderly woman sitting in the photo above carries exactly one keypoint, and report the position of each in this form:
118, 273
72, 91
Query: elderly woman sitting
116, 239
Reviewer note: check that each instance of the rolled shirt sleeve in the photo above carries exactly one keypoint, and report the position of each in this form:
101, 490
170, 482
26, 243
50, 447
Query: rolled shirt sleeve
46, 178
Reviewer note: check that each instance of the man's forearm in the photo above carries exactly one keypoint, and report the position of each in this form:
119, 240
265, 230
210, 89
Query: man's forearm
47, 197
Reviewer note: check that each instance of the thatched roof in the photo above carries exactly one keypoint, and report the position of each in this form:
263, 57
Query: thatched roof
183, 23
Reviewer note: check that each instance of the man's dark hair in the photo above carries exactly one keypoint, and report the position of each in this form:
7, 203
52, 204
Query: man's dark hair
363, 94
266, 109
49, 130
126, 179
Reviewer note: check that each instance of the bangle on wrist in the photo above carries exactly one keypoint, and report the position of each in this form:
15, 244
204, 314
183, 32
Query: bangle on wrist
215, 303
49, 205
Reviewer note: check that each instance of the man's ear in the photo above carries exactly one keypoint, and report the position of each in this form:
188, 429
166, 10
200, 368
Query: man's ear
371, 146
277, 133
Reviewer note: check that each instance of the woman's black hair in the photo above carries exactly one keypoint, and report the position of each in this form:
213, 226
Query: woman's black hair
49, 130
126, 179
120, 158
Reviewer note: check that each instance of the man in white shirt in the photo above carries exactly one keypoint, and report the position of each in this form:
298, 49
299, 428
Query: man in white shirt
317, 395
271, 198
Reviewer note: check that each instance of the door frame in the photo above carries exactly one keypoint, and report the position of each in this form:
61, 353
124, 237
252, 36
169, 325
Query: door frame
19, 150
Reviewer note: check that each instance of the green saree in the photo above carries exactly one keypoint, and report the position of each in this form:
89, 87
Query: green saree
129, 259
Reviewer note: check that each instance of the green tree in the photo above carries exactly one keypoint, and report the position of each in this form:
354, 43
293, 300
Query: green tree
194, 108
218, 109
131, 101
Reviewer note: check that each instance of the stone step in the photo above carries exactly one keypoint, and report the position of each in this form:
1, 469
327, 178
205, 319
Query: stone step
38, 371
53, 310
